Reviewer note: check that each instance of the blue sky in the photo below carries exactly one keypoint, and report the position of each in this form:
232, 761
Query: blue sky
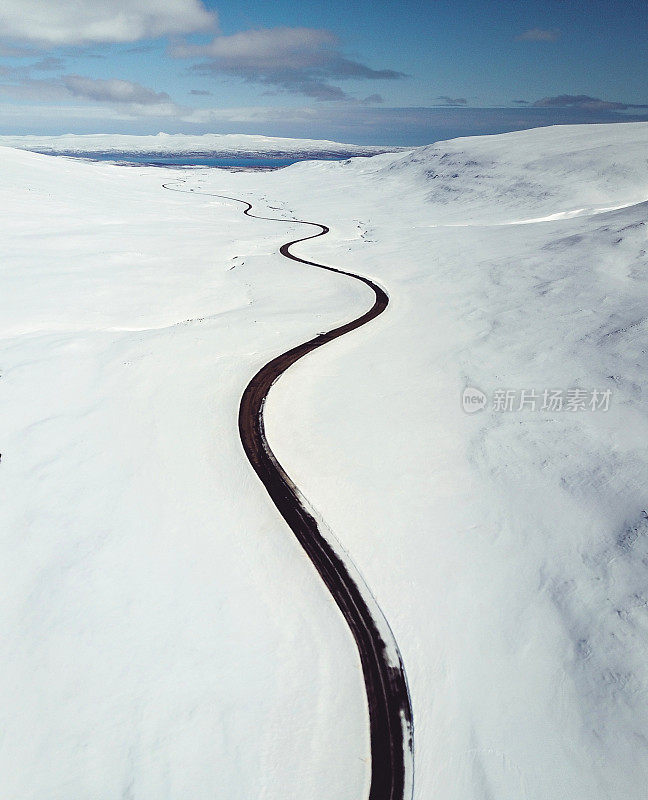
368, 72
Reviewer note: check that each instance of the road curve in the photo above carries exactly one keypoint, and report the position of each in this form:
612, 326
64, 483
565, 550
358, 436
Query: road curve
388, 699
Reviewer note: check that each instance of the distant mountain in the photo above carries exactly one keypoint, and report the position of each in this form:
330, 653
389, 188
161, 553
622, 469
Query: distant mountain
211, 144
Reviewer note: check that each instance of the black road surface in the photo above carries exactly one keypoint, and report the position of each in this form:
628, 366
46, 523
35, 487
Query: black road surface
390, 713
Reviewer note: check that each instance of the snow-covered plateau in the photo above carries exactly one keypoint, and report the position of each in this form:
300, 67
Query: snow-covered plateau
211, 144
164, 636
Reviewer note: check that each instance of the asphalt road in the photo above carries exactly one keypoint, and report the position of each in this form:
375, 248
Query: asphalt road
388, 699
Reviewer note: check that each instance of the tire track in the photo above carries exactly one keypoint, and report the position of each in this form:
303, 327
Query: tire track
388, 699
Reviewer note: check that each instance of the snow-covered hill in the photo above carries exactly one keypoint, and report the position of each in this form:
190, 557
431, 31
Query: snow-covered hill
164, 636
518, 177
180, 144
150, 645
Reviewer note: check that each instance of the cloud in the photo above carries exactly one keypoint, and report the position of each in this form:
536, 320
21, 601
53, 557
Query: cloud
296, 60
361, 123
452, 101
200, 92
131, 99
539, 35
24, 72
49, 64
140, 49
61, 22
351, 122
585, 102
9, 51
112, 91
31, 90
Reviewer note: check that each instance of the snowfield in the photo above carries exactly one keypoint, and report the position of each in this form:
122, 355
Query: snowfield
164, 635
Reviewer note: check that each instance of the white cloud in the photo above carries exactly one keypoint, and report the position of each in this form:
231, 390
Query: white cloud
30, 90
127, 97
276, 47
112, 91
297, 60
73, 22
138, 100
47, 113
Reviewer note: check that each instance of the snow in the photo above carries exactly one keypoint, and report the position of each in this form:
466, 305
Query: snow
166, 636
206, 144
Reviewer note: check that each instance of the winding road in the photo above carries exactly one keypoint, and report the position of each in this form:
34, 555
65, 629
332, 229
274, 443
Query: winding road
388, 699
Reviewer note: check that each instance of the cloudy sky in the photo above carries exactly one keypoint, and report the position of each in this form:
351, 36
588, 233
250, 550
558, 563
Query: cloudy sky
367, 71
